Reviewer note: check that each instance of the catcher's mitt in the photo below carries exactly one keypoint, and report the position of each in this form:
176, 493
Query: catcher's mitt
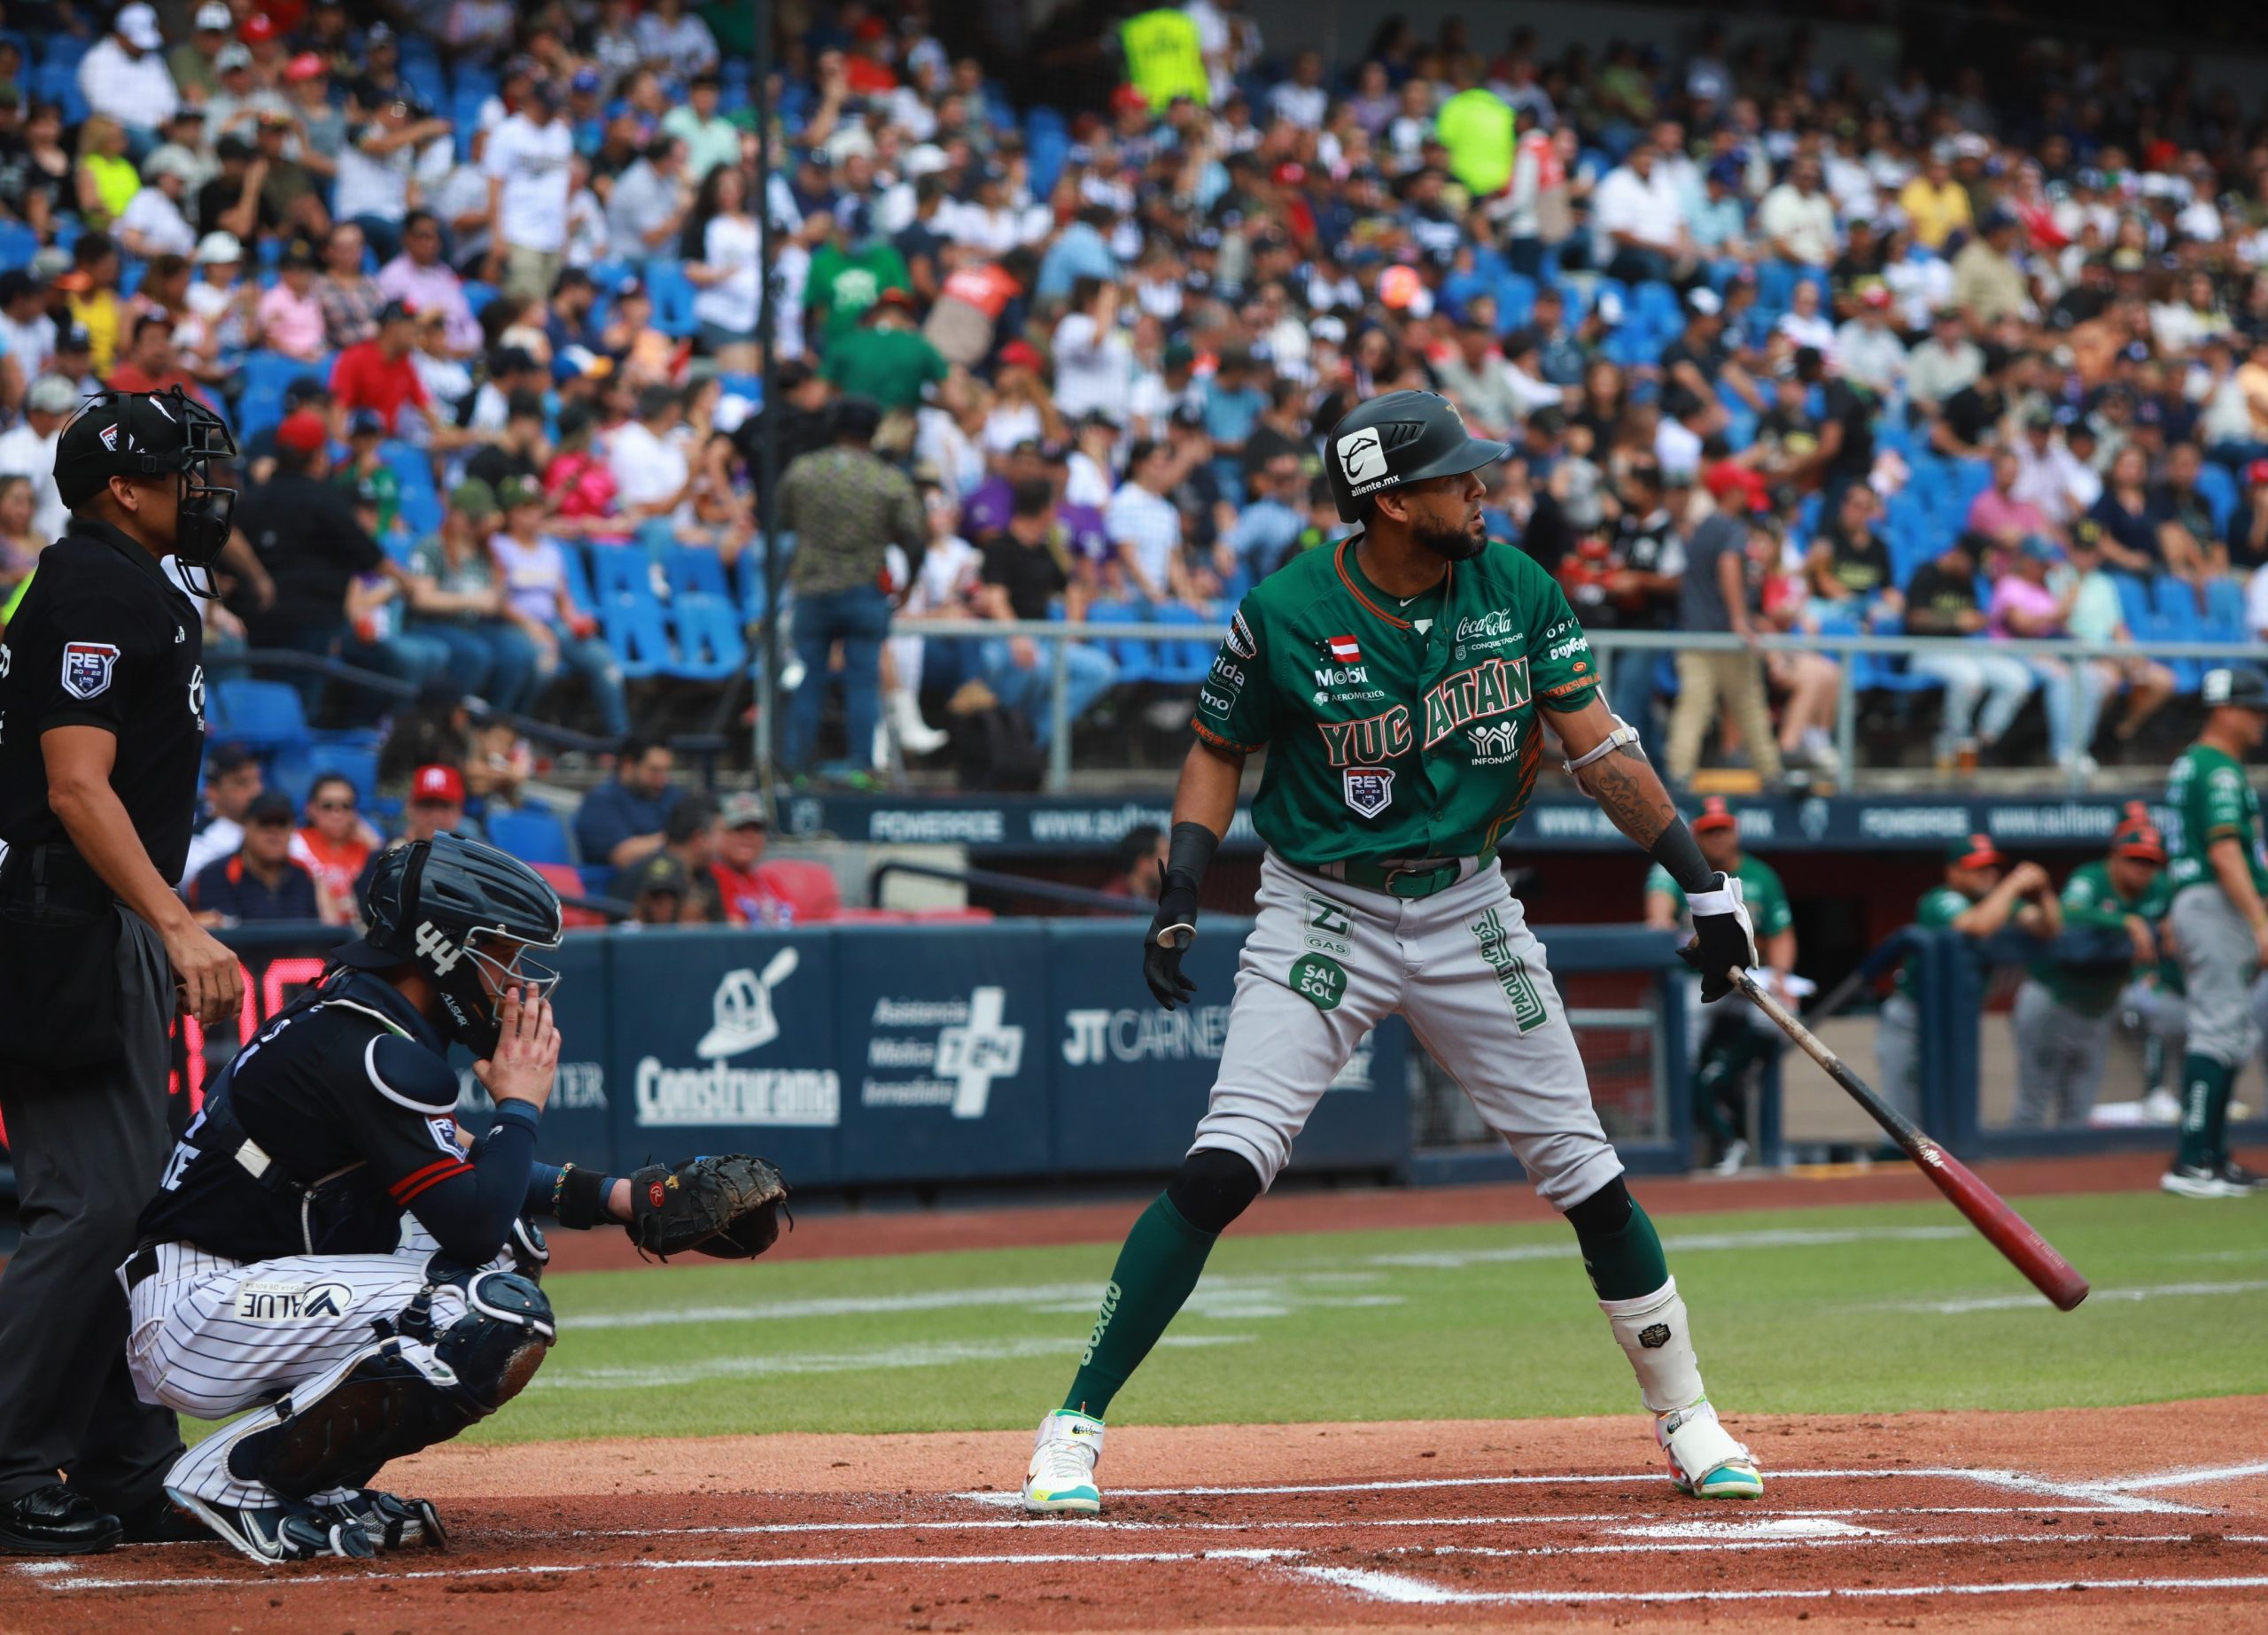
727, 1206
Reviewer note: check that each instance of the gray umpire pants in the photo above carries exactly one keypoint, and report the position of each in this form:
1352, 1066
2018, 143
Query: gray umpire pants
2217, 968
1898, 1054
2060, 1058
88, 1145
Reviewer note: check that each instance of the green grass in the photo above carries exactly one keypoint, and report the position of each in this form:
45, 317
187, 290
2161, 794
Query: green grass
1319, 1327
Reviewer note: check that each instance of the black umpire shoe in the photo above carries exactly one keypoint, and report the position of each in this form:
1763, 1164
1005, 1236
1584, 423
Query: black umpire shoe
55, 1521
162, 1522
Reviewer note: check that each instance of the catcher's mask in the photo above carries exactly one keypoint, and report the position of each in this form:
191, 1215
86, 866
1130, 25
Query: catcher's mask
466, 915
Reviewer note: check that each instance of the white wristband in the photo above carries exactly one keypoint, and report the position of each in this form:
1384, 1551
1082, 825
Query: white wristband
1724, 900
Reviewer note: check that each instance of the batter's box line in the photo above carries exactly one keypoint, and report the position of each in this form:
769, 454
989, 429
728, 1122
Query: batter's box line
1403, 1590
2101, 1495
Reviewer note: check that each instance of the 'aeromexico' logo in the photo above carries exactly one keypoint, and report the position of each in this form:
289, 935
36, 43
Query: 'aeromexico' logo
1361, 456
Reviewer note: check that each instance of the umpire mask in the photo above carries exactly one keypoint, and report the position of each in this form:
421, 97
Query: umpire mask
151, 434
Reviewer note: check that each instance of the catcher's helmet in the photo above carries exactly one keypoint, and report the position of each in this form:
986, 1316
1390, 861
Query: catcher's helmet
154, 434
1404, 437
431, 902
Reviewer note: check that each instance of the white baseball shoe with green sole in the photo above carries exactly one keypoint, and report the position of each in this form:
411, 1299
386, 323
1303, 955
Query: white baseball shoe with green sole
1061, 1478
1705, 1461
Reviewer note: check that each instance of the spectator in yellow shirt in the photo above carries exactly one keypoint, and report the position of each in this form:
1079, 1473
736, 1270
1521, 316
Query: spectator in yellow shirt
1935, 204
90, 289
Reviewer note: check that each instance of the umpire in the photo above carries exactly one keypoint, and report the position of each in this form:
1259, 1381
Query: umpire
102, 724
2219, 880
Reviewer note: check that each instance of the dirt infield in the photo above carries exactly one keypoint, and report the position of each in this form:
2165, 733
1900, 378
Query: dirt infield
1358, 1209
2139, 1518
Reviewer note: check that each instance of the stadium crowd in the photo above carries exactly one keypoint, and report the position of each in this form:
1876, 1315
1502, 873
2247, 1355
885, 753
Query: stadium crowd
1780, 346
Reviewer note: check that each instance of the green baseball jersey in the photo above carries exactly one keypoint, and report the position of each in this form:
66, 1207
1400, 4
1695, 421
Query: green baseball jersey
2212, 799
2090, 899
1938, 908
1394, 729
1760, 890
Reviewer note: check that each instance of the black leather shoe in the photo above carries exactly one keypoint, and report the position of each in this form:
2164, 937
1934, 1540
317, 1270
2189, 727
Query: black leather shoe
55, 1521
162, 1522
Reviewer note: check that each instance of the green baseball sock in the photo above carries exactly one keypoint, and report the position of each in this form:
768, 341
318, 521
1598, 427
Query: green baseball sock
1626, 1264
1155, 1271
2205, 1086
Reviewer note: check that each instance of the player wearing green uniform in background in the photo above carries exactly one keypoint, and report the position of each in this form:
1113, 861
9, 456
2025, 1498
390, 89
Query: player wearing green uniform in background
1401, 682
1981, 894
1736, 1038
2217, 876
2064, 1012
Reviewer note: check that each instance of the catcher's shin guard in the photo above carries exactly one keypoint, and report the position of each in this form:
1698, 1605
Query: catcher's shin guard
398, 1395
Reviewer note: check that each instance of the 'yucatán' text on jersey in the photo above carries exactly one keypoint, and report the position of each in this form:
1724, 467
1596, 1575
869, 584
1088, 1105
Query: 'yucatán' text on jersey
1394, 729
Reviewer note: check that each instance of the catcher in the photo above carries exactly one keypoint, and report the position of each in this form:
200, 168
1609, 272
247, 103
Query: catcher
326, 1248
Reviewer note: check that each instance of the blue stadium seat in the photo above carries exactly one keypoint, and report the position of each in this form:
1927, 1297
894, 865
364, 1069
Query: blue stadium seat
262, 715
59, 82
18, 244
1185, 663
629, 611
272, 371
1658, 308
709, 645
477, 295
2218, 484
2227, 617
358, 764
672, 296
257, 411
694, 572
1515, 300
63, 50
1137, 661
530, 835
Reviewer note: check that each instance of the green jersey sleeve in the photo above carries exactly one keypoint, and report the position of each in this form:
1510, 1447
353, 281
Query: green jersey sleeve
1940, 907
2089, 898
1563, 672
1235, 707
1765, 898
2220, 806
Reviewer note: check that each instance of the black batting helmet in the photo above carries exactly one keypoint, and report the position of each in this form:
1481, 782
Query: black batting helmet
1404, 437
432, 904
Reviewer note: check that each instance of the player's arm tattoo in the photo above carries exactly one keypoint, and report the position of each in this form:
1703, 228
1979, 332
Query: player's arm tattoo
1627, 789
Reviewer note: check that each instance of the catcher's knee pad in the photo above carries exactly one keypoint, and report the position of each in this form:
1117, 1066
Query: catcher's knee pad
399, 1395
1213, 1187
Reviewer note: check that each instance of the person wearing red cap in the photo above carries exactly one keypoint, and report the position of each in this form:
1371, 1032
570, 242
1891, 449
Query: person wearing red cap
2067, 1008
436, 806
1737, 1037
1981, 894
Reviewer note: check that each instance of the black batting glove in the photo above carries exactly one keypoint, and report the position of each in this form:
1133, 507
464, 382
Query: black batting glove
1171, 932
1723, 936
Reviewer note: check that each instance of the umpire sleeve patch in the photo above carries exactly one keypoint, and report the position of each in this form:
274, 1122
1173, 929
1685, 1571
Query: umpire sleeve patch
87, 667
410, 1075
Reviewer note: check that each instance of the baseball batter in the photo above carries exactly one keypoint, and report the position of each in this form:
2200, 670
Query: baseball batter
2218, 876
325, 1252
1734, 1037
1401, 682
2065, 1012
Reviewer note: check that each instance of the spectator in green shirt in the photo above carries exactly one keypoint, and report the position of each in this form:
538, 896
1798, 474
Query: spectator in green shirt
886, 357
850, 272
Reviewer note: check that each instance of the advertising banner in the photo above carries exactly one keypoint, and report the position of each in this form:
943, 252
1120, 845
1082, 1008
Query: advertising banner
939, 1037
725, 1042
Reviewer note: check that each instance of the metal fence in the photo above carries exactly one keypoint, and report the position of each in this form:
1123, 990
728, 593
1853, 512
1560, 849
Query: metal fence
1844, 649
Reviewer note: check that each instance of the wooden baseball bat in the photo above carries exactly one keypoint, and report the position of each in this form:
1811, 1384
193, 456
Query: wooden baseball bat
2004, 1229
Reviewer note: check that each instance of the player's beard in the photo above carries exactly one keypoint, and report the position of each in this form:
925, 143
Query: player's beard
1455, 544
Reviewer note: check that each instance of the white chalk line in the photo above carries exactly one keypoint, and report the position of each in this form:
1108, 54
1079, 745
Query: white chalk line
1235, 1294
719, 1564
2190, 1477
1403, 1590
1098, 1524
1960, 1305
919, 1355
2099, 1496
1382, 1586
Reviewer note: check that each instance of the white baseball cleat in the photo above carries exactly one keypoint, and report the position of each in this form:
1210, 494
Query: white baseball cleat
2197, 1180
1705, 1461
1061, 1478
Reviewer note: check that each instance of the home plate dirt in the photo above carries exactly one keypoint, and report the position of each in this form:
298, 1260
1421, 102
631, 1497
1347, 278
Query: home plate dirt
2139, 1518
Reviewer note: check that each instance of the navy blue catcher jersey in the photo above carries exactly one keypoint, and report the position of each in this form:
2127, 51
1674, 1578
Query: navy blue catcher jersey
337, 1118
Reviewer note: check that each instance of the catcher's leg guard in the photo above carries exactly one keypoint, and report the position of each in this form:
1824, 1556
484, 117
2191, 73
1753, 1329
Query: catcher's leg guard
398, 1395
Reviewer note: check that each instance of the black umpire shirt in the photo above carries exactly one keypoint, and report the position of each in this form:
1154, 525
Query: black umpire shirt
305, 534
103, 638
